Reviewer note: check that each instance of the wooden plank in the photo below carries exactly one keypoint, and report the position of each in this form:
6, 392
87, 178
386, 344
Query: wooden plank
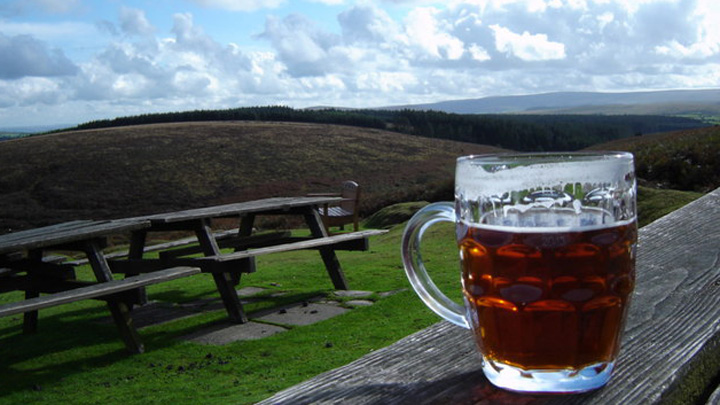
327, 253
96, 290
670, 353
30, 318
311, 243
66, 233
231, 241
61, 227
136, 251
238, 265
224, 281
264, 206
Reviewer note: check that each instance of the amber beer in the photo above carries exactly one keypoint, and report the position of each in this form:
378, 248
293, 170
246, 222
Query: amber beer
548, 299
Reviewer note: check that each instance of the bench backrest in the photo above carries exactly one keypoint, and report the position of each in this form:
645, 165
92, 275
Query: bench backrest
351, 195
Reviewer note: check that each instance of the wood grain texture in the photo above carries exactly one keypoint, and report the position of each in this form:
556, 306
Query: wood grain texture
67, 232
671, 346
264, 206
309, 243
96, 290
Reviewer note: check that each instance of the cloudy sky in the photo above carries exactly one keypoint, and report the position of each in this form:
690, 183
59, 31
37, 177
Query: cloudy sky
71, 61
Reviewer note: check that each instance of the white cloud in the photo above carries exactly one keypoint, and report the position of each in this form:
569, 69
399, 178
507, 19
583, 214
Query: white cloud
368, 25
385, 82
526, 46
30, 91
427, 33
478, 53
301, 45
23, 55
134, 22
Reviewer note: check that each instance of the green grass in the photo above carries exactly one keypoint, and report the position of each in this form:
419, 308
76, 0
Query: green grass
76, 359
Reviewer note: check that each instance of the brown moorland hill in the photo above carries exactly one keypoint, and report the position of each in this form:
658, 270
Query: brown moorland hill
686, 160
137, 170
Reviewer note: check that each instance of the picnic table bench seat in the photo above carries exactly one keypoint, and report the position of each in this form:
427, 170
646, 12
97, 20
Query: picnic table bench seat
344, 241
103, 290
243, 260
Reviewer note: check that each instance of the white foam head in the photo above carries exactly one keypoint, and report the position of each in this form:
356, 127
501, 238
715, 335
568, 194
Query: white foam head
510, 183
494, 175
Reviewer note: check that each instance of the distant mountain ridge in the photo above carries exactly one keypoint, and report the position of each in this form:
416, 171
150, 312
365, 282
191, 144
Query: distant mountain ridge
707, 101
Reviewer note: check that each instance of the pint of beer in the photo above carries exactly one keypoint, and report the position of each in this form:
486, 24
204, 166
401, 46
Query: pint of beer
547, 251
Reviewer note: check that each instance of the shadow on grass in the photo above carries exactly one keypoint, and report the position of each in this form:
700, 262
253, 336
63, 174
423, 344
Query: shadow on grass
69, 342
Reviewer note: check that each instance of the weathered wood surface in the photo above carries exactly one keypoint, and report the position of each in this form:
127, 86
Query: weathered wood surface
264, 206
96, 290
222, 263
309, 243
228, 239
671, 346
67, 232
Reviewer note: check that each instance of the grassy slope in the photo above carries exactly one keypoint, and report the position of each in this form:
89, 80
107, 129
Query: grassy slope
153, 168
687, 160
683, 160
708, 112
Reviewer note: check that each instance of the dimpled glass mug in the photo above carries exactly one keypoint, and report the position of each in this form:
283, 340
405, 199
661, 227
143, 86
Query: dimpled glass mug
547, 253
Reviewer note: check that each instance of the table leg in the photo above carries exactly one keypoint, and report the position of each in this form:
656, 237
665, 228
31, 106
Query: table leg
136, 251
223, 281
30, 318
332, 264
246, 226
119, 310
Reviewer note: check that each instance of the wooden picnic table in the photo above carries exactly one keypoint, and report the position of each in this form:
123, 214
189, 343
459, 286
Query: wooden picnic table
670, 349
25, 268
227, 269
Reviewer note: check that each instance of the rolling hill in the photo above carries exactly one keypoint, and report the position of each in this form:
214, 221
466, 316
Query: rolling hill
674, 102
143, 169
681, 160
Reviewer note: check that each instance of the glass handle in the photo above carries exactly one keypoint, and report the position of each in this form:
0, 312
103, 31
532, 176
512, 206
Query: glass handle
415, 268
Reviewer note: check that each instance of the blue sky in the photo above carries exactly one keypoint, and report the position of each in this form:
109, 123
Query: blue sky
71, 61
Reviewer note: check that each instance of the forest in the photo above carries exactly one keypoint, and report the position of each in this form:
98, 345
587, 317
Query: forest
518, 132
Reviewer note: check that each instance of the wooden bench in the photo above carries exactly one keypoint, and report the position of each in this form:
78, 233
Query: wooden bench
345, 241
111, 291
670, 349
105, 290
243, 260
345, 211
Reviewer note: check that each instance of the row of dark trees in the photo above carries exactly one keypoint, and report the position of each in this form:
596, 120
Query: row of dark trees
516, 132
